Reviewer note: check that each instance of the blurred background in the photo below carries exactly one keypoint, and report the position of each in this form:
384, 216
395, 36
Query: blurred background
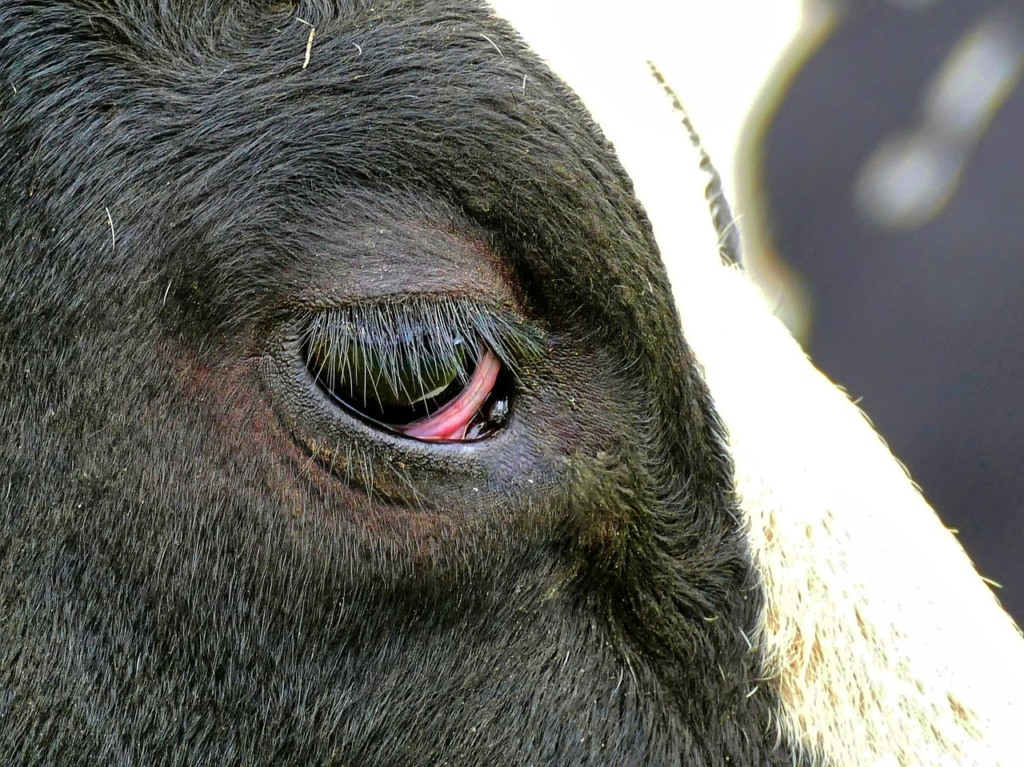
874, 152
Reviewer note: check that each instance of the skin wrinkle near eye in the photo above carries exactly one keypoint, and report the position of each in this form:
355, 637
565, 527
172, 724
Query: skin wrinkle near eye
365, 256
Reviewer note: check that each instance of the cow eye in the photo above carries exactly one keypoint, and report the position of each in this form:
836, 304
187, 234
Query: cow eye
428, 372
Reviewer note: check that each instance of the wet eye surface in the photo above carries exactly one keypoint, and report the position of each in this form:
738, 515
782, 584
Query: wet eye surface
429, 371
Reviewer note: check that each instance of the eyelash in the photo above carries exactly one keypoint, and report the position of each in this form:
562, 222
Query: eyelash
412, 344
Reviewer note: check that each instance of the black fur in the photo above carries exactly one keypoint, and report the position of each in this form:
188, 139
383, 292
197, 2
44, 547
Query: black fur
201, 561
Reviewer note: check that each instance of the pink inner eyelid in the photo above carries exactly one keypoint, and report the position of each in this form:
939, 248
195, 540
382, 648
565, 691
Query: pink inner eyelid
452, 420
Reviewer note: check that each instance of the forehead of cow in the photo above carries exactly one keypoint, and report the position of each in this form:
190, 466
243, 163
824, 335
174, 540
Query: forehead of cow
222, 134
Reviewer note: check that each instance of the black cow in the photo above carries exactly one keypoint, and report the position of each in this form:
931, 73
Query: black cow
346, 416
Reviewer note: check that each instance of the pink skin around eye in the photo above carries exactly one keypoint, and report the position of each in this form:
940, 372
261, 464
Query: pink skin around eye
451, 421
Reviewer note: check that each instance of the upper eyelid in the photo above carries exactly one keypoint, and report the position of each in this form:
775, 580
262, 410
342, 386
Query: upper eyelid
376, 278
381, 248
512, 336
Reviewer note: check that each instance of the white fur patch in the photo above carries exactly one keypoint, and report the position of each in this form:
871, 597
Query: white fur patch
885, 646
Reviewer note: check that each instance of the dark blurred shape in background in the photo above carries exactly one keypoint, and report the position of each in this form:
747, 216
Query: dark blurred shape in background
889, 205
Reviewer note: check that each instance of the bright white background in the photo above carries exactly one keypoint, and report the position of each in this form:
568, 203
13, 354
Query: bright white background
717, 54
